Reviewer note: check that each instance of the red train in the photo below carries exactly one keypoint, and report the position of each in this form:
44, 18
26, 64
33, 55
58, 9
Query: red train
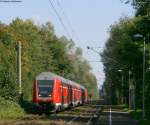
53, 92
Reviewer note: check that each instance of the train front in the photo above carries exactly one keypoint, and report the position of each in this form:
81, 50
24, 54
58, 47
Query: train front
43, 92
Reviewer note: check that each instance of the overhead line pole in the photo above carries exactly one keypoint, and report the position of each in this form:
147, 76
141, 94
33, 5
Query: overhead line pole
19, 66
143, 81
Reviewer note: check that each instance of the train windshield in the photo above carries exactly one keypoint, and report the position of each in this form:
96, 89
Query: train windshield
45, 88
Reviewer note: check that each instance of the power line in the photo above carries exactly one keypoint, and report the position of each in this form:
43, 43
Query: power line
60, 19
73, 33
65, 16
11, 1
68, 21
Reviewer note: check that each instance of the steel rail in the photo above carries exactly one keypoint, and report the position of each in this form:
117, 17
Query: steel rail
76, 117
94, 115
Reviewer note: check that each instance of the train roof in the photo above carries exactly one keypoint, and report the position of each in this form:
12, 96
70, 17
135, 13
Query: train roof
52, 76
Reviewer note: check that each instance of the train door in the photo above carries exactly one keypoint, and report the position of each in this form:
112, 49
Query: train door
68, 90
80, 95
67, 95
83, 96
62, 95
70, 94
57, 94
86, 95
73, 95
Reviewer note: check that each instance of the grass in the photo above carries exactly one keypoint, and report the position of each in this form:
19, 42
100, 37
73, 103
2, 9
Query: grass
10, 109
138, 116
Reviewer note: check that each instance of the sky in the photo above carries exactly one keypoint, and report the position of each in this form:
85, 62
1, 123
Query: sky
89, 19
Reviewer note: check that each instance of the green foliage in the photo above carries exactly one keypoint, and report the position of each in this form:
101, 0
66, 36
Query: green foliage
42, 51
142, 7
125, 52
10, 109
138, 116
7, 66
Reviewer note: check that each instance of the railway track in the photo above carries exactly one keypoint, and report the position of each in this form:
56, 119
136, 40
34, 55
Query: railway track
82, 115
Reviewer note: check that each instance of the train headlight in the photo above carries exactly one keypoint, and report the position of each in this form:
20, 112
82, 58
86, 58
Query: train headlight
39, 95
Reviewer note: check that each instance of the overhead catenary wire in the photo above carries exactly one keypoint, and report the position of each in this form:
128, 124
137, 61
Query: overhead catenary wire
67, 21
74, 34
11, 1
59, 18
66, 17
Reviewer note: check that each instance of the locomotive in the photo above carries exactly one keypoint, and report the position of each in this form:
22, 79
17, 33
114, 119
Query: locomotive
53, 92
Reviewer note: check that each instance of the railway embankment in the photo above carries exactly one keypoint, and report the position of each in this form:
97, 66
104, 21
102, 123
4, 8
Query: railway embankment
92, 113
137, 114
81, 115
10, 109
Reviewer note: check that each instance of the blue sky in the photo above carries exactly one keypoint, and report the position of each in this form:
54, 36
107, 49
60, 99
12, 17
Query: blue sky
90, 20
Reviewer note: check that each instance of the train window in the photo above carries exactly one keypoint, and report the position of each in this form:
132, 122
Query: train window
45, 88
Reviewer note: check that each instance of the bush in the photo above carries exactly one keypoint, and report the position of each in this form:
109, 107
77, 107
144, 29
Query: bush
138, 116
10, 109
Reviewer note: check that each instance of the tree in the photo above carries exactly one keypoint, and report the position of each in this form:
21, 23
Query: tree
42, 51
142, 7
124, 52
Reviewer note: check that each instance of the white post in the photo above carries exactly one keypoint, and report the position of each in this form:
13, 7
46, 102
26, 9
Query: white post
110, 118
19, 68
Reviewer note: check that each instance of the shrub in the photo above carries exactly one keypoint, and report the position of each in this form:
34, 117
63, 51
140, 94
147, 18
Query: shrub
10, 109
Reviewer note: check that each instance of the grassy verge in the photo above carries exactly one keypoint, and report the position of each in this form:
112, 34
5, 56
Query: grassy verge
138, 116
10, 109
